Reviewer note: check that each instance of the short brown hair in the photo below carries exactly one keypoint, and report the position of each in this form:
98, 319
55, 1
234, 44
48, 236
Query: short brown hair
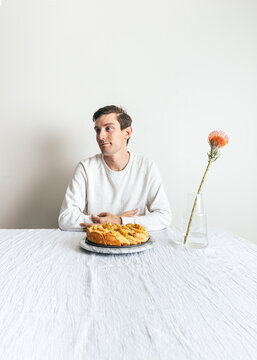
122, 117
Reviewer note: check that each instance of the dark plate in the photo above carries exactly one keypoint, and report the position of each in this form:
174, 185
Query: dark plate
118, 247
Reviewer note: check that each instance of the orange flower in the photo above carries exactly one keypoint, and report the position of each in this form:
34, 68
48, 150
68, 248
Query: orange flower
218, 139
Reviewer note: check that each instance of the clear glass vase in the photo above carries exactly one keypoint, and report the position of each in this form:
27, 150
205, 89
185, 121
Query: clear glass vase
197, 237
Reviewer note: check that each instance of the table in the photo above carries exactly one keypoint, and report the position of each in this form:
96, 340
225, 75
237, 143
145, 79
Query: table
58, 301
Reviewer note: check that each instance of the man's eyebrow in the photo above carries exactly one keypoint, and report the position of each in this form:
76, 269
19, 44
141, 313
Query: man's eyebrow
96, 127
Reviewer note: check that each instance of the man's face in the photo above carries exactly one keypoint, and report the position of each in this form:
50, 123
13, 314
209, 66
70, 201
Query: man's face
109, 136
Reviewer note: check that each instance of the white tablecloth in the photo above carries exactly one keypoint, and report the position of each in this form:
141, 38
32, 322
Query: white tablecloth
58, 301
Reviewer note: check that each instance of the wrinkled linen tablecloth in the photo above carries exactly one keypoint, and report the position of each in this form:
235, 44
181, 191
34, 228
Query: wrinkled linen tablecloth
58, 301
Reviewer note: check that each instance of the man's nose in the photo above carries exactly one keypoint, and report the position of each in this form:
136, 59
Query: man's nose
101, 134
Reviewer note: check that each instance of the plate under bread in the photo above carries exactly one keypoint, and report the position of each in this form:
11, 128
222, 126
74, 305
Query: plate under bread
90, 246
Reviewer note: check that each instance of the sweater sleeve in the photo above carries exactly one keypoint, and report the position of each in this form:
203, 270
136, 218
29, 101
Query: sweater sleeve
74, 203
159, 216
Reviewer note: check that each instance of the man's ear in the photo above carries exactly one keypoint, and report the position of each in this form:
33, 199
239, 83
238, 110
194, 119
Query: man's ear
128, 132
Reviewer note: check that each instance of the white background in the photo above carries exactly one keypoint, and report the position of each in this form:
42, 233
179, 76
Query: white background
180, 68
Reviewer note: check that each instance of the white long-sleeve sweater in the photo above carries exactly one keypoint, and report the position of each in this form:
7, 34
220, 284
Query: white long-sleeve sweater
95, 188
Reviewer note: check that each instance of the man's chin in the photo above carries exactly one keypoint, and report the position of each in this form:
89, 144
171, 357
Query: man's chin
105, 151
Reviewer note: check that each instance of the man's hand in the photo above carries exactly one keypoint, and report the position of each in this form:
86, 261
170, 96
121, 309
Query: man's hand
102, 218
106, 217
86, 225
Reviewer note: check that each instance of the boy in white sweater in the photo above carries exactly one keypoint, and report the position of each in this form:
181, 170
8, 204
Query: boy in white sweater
115, 186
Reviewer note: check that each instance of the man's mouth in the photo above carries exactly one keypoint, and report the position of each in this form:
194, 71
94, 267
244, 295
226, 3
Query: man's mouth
104, 144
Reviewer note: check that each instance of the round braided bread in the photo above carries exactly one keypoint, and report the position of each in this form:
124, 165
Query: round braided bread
117, 235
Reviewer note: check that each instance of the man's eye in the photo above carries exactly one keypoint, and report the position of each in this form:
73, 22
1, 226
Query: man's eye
97, 131
108, 128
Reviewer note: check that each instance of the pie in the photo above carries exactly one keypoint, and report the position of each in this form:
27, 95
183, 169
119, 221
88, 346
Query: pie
117, 235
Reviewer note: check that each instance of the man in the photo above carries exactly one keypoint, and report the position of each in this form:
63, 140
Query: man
115, 186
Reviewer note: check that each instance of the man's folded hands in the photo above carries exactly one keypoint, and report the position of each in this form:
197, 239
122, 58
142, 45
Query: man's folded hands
106, 217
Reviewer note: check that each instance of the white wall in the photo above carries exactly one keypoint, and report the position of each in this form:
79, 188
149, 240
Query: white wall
180, 68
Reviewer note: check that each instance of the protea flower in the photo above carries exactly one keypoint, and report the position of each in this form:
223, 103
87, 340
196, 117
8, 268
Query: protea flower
216, 139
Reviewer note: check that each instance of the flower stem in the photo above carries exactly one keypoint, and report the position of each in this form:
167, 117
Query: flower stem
193, 209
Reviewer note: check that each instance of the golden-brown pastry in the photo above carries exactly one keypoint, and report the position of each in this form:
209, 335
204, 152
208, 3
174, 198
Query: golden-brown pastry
117, 235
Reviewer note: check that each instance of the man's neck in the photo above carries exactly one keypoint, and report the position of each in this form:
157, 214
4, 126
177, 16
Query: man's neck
117, 162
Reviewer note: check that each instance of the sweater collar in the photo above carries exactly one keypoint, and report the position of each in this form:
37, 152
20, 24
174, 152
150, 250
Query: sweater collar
123, 171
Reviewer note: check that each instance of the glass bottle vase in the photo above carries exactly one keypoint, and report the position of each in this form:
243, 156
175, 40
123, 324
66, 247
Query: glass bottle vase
197, 237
